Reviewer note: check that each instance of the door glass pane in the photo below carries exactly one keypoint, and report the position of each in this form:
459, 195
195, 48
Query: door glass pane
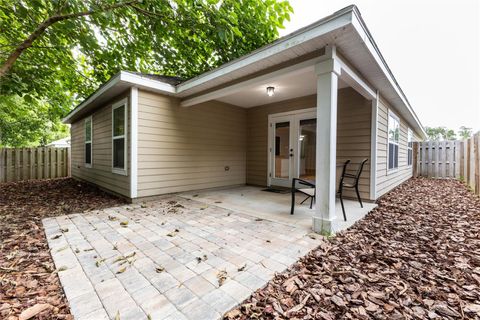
308, 143
282, 149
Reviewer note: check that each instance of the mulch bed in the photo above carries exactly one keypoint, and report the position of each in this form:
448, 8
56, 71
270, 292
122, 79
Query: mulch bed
28, 280
417, 256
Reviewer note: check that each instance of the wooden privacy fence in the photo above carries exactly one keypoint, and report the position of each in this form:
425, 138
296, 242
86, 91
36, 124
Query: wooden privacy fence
33, 163
449, 159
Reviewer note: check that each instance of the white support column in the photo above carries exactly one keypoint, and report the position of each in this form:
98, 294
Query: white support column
326, 154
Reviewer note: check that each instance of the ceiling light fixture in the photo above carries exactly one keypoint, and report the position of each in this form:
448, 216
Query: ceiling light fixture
270, 91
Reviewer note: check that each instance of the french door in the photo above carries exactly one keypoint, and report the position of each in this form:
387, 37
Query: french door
292, 147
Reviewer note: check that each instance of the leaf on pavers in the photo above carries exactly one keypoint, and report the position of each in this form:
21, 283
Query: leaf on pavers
63, 230
56, 236
117, 316
313, 236
143, 205
124, 224
77, 250
202, 258
221, 277
218, 201
34, 310
149, 317
173, 233
162, 223
89, 249
99, 262
242, 268
121, 270
229, 214
62, 268
115, 247
159, 269
258, 219
112, 218
268, 241
203, 207
62, 248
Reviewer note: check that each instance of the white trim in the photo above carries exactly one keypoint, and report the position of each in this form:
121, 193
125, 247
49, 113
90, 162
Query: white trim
140, 81
393, 115
373, 149
124, 136
133, 142
409, 148
88, 165
355, 80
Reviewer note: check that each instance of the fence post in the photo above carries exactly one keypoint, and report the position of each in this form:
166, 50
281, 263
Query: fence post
414, 159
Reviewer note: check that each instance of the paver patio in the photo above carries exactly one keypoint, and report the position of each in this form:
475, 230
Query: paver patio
164, 258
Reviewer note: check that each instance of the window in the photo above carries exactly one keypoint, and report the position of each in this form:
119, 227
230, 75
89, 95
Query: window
119, 137
88, 142
393, 140
409, 147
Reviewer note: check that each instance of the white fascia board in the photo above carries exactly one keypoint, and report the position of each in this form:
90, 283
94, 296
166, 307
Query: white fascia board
140, 81
294, 69
338, 20
366, 37
109, 84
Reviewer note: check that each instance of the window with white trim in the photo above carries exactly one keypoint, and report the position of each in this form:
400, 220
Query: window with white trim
393, 140
119, 137
88, 142
409, 147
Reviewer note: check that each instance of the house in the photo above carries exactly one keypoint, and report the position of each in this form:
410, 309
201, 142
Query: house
293, 108
60, 143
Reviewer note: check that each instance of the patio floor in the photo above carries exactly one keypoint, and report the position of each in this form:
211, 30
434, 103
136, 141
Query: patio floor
166, 258
273, 206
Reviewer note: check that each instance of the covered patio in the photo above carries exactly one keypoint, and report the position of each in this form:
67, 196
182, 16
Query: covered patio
261, 204
304, 119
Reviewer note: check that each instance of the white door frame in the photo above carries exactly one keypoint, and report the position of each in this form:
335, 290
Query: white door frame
294, 117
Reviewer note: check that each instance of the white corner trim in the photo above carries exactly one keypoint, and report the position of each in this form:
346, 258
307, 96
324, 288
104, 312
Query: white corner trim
133, 142
355, 80
373, 149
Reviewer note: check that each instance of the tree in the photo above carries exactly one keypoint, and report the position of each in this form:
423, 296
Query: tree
59, 51
464, 132
25, 124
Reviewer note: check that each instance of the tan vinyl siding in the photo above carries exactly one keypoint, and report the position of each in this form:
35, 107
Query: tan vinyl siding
387, 180
353, 134
101, 171
181, 149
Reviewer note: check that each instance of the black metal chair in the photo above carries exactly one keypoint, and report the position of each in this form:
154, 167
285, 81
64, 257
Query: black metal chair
352, 183
309, 191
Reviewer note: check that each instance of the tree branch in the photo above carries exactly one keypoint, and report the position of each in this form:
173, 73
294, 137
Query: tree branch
27, 43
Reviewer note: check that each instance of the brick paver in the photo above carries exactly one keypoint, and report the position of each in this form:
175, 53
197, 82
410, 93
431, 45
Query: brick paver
148, 261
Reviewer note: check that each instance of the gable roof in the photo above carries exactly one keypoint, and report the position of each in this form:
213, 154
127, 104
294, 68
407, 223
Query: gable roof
344, 28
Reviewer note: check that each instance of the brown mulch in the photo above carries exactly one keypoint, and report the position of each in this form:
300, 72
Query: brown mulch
417, 256
29, 284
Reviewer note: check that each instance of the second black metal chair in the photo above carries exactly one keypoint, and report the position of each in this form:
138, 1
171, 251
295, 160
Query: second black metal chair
352, 183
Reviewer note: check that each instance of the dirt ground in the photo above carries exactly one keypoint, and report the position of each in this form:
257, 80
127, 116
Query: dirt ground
28, 280
416, 256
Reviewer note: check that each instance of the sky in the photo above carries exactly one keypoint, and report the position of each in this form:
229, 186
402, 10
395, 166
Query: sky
432, 48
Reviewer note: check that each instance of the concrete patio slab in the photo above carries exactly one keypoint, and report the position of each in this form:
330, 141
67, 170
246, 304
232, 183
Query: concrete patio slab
253, 201
163, 259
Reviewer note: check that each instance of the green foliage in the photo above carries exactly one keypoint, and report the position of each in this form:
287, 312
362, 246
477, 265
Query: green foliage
440, 133
72, 57
28, 123
465, 133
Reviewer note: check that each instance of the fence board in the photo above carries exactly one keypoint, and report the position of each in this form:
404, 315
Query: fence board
449, 159
33, 163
